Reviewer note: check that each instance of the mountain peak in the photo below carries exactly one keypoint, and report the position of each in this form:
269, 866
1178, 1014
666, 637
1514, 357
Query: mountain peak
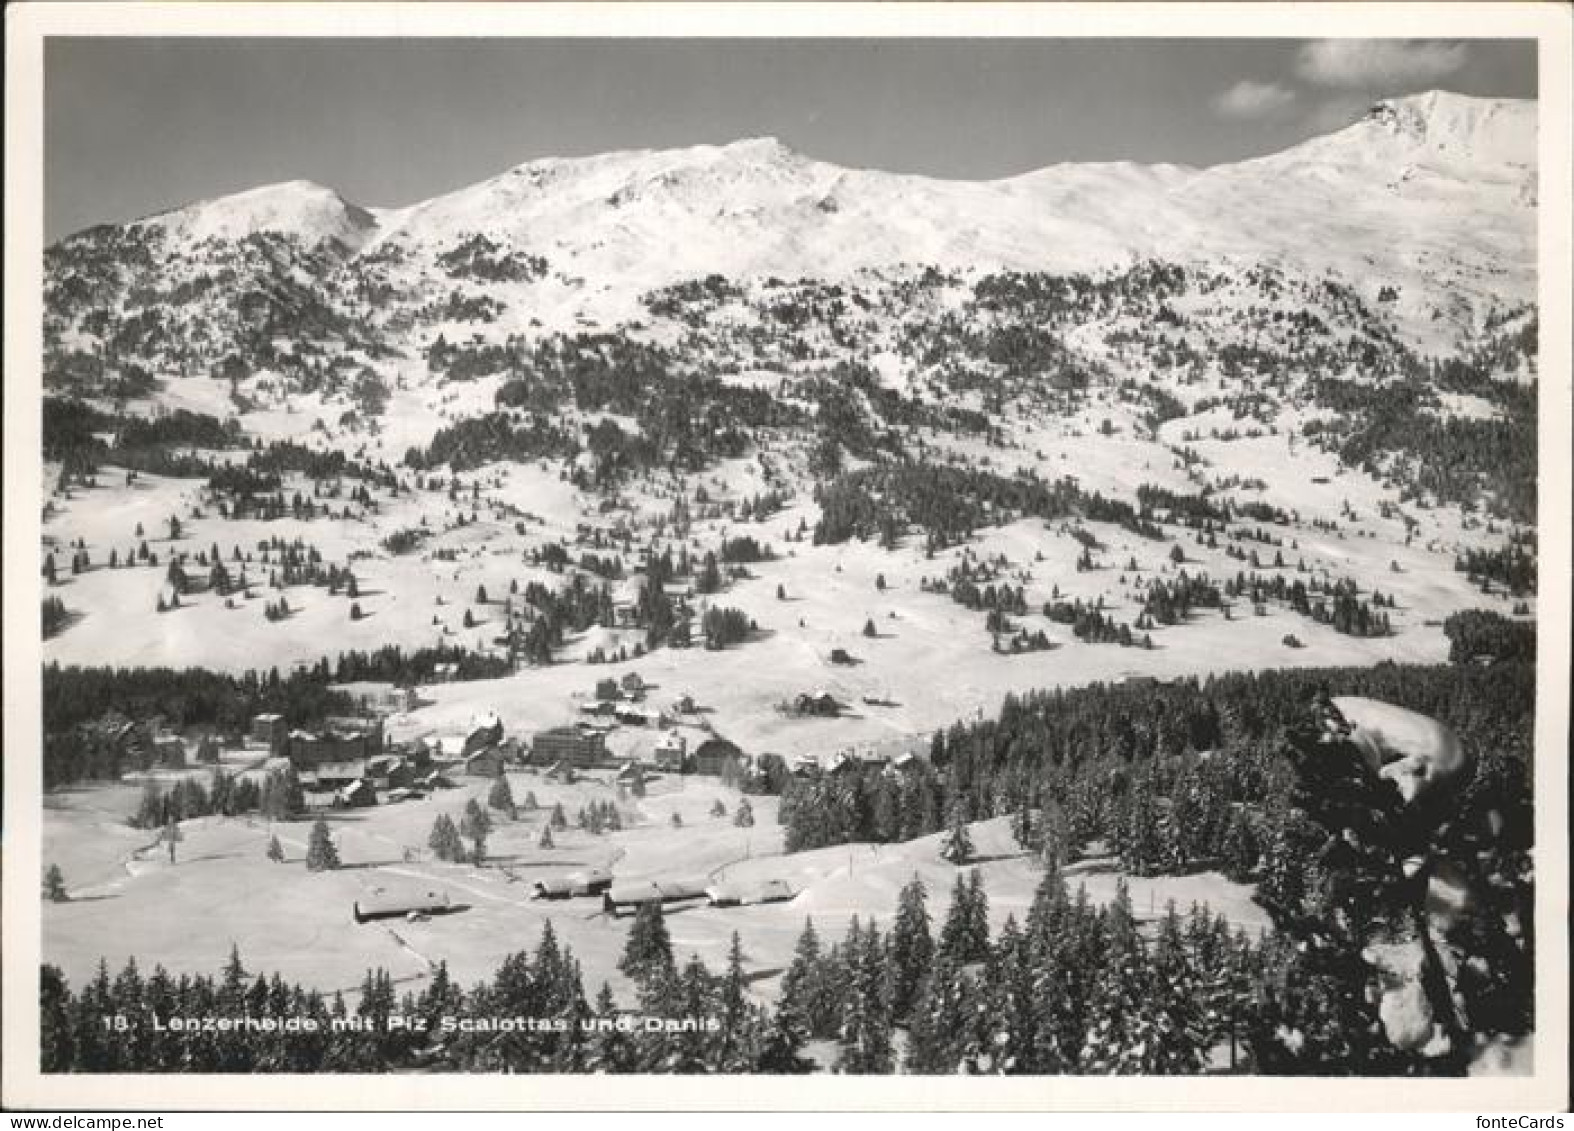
301, 209
1441, 119
764, 146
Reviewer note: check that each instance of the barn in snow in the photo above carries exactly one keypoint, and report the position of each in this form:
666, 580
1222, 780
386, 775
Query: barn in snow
631, 895
380, 903
743, 893
591, 881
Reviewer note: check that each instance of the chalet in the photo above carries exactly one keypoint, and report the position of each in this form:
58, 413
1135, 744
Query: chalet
637, 717
485, 730
309, 749
749, 892
485, 763
379, 903
684, 705
561, 772
633, 685
400, 700
841, 656
578, 748
629, 896
359, 794
269, 730
872, 759
389, 771
905, 762
369, 727
712, 756
445, 673
630, 774
591, 881
333, 775
608, 689
599, 708
805, 766
418, 754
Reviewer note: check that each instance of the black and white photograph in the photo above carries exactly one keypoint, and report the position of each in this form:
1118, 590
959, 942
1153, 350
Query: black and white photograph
1013, 559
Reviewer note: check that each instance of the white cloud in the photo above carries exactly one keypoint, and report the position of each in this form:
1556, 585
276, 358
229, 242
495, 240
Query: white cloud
1247, 99
1386, 63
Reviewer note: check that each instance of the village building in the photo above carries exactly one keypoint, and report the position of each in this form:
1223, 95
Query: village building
334, 775
418, 754
400, 700
339, 740
671, 752
276, 764
579, 748
485, 730
269, 730
607, 688
357, 795
369, 726
485, 763
873, 759
433, 779
390, 771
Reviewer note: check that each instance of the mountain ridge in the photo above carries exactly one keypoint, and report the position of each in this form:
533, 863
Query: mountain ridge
1424, 207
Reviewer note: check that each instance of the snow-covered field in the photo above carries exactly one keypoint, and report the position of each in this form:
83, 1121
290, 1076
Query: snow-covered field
128, 900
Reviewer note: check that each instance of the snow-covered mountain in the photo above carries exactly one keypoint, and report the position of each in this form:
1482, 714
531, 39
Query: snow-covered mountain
1427, 204
1400, 188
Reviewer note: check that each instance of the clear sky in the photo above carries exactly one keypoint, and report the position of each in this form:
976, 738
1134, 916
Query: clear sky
134, 126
